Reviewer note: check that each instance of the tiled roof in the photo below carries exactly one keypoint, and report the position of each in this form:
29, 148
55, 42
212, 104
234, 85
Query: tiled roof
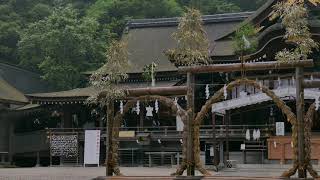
148, 39
9, 94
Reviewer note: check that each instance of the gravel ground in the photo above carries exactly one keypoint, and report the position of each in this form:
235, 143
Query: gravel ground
88, 173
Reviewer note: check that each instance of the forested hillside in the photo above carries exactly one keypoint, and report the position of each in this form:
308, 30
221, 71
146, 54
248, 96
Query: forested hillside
61, 38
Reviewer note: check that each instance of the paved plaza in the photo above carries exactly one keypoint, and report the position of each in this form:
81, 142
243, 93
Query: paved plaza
88, 173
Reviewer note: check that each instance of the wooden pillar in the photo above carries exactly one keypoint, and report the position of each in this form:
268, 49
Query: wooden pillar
221, 150
38, 159
282, 159
50, 149
214, 140
62, 126
190, 147
302, 173
227, 121
11, 141
109, 126
101, 115
141, 117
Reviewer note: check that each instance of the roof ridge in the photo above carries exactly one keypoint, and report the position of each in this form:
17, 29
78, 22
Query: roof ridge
135, 23
19, 68
250, 18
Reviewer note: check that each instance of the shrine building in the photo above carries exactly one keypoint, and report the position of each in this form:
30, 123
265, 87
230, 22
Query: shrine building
247, 127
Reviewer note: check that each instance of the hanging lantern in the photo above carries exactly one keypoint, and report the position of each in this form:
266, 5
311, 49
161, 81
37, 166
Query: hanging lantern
138, 107
225, 94
207, 91
279, 82
156, 106
260, 84
311, 77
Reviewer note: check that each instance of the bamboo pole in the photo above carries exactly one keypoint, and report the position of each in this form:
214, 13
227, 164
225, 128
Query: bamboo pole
247, 66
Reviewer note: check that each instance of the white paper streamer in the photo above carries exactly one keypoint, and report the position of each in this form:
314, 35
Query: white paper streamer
121, 107
156, 106
138, 107
207, 91
225, 94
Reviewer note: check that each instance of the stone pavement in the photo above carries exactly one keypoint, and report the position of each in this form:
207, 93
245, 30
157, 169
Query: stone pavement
88, 173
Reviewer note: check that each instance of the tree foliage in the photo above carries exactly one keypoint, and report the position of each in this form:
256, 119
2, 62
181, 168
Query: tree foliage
192, 41
218, 6
28, 35
9, 33
115, 13
294, 18
112, 72
245, 40
61, 46
222, 6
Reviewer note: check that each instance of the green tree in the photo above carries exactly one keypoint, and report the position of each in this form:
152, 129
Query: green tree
38, 12
211, 6
10, 25
115, 13
294, 18
218, 6
61, 46
248, 5
245, 40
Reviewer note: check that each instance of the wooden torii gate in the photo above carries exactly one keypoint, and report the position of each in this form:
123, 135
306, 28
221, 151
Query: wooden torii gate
300, 85
190, 91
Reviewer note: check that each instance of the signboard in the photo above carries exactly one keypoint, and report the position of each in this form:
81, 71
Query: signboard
91, 147
211, 151
280, 128
127, 134
64, 145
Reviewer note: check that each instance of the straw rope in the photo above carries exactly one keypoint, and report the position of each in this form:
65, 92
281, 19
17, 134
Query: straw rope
118, 120
291, 117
